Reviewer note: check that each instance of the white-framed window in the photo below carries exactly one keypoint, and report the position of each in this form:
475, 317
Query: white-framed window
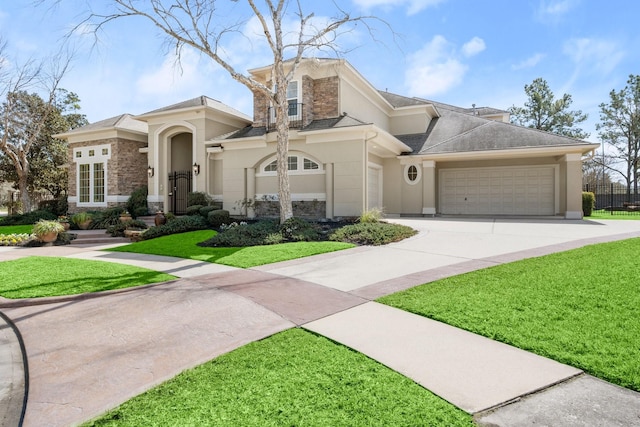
292, 98
297, 163
412, 174
91, 169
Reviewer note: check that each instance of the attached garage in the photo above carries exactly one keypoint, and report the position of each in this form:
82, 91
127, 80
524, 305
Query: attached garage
498, 191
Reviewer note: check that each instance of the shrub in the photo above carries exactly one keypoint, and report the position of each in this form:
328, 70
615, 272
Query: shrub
178, 225
106, 218
137, 202
298, 230
218, 217
204, 211
379, 233
246, 235
80, 217
198, 198
28, 218
57, 207
588, 202
371, 215
193, 210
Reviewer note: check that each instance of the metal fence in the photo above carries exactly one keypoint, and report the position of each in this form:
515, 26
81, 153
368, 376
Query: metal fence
615, 198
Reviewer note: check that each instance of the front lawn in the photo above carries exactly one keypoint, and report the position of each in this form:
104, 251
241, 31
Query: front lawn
184, 245
34, 277
294, 378
579, 307
16, 229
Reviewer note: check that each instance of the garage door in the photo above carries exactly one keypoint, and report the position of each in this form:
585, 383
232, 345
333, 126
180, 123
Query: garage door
498, 191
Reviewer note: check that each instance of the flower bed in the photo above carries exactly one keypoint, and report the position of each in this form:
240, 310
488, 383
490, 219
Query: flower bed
15, 239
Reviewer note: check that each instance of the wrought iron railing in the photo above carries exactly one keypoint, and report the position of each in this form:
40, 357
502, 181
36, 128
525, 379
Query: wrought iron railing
295, 113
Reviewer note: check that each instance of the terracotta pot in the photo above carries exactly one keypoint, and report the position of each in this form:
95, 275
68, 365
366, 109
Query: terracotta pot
125, 218
48, 237
66, 226
84, 225
160, 219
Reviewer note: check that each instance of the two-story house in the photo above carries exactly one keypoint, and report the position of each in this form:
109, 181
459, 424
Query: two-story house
352, 148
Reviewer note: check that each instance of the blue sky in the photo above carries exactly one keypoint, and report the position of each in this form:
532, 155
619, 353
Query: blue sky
461, 52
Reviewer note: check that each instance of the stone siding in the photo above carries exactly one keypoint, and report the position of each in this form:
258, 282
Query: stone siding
307, 100
126, 169
303, 209
325, 98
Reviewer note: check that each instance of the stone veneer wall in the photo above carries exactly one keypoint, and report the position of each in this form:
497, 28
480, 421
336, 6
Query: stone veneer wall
304, 209
126, 169
307, 100
260, 109
325, 98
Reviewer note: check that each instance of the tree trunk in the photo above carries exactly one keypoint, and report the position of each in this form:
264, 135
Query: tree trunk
24, 191
284, 192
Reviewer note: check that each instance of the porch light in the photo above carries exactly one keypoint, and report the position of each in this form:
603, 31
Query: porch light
196, 169
150, 172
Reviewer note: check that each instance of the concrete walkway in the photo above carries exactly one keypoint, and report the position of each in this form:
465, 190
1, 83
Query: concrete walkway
87, 354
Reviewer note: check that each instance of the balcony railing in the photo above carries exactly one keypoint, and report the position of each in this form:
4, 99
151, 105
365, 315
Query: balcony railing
296, 117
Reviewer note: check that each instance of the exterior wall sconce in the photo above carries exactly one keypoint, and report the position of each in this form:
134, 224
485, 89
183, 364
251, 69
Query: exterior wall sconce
196, 169
150, 172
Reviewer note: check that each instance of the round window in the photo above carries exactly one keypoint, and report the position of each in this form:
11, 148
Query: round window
412, 173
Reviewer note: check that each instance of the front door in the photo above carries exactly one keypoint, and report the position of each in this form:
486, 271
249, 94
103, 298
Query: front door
180, 185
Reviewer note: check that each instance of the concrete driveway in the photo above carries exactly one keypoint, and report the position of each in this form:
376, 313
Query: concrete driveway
88, 354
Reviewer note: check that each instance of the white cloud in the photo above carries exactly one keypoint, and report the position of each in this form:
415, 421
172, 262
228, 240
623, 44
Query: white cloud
473, 47
600, 55
434, 69
530, 62
551, 11
413, 6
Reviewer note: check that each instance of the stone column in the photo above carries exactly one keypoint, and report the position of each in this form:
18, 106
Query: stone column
574, 186
429, 187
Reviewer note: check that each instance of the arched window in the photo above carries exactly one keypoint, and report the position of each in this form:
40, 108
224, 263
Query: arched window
297, 163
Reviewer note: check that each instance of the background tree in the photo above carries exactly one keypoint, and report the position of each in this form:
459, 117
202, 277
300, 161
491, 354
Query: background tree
23, 118
619, 127
542, 111
205, 26
47, 154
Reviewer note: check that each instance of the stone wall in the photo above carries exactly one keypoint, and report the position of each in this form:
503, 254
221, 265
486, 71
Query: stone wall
325, 98
126, 170
260, 109
303, 209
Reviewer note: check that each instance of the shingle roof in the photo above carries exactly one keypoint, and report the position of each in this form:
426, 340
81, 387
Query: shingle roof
322, 124
122, 122
199, 101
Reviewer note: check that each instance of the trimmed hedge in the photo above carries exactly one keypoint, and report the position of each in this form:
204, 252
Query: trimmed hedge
194, 210
588, 203
198, 198
217, 217
137, 202
178, 225
267, 232
28, 218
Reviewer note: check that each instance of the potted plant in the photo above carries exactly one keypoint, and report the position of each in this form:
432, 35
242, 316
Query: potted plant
82, 220
125, 216
64, 220
47, 231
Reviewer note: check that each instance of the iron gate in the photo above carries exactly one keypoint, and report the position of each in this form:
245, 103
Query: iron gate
180, 185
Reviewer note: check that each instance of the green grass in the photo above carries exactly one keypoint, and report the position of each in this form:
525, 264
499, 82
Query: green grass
184, 245
16, 229
294, 378
35, 276
579, 307
602, 214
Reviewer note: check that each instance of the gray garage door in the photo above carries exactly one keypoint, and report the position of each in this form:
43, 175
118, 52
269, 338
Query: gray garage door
498, 191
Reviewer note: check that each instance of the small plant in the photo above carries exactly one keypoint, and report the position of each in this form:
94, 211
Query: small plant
371, 216
379, 233
81, 218
137, 202
47, 230
194, 210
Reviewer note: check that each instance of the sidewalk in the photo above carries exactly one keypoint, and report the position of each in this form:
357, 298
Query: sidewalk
87, 355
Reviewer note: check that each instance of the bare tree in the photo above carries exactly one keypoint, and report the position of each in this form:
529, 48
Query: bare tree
20, 124
201, 25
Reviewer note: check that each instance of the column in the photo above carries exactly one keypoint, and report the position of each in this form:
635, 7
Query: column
328, 189
250, 197
574, 186
429, 187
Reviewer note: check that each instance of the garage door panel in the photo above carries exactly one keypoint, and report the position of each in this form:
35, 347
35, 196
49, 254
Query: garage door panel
498, 191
